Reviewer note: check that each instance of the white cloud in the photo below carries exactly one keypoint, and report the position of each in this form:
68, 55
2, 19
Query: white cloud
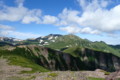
29, 19
88, 30
68, 17
19, 13
32, 16
82, 3
12, 13
5, 27
6, 30
25, 15
93, 4
19, 2
71, 29
3, 33
75, 29
22, 35
94, 19
102, 19
105, 3
47, 19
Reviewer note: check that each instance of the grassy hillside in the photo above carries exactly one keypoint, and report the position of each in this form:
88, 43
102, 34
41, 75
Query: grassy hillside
93, 58
68, 41
21, 57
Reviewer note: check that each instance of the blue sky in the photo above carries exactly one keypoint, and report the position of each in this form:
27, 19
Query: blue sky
96, 20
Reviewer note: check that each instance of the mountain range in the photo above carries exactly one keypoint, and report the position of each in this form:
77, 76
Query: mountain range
57, 52
61, 42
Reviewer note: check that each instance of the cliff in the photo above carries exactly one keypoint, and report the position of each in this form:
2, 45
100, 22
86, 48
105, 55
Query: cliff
76, 59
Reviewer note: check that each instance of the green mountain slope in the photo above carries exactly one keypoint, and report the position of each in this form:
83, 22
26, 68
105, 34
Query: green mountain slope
74, 41
42, 59
115, 46
93, 58
59, 42
21, 57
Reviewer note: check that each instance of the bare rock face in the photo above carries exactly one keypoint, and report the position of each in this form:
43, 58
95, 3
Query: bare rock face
87, 59
114, 76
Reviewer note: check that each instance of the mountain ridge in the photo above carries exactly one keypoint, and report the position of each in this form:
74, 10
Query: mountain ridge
58, 42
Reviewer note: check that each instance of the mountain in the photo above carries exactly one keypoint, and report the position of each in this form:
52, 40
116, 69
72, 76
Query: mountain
44, 59
42, 41
48, 39
2, 43
115, 46
9, 39
60, 42
57, 53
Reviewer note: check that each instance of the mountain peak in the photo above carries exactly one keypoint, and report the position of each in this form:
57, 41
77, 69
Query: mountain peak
9, 39
54, 35
72, 36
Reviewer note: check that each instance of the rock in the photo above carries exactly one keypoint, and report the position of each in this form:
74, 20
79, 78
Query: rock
98, 70
114, 76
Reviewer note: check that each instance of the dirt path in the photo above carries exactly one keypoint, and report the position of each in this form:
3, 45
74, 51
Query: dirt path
7, 71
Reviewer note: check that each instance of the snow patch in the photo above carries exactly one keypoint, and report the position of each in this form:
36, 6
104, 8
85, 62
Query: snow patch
67, 46
50, 38
46, 42
41, 41
53, 40
56, 37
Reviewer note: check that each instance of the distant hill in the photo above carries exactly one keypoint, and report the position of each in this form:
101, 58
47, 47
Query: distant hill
2, 43
9, 39
115, 46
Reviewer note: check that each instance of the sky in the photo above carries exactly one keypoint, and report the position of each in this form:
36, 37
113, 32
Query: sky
95, 20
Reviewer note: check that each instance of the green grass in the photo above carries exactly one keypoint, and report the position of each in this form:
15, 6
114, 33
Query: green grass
15, 78
53, 74
118, 79
73, 51
19, 59
20, 78
93, 78
29, 42
105, 72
